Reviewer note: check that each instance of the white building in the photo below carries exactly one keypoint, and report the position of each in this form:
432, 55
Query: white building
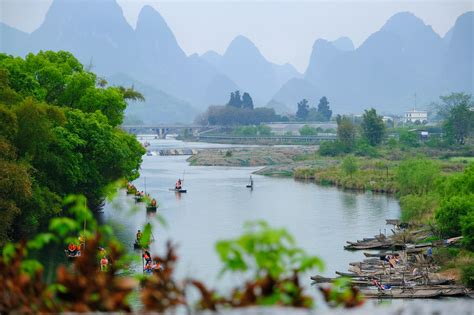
414, 115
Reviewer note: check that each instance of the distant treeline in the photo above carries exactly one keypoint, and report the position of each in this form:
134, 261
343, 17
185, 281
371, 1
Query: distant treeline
239, 111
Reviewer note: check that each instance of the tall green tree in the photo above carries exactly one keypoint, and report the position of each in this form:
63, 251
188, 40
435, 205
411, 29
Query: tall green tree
349, 165
448, 102
58, 136
247, 101
459, 123
373, 127
346, 131
303, 109
235, 99
323, 109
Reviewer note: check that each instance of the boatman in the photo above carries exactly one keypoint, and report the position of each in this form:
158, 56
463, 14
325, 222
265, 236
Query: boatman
178, 184
139, 235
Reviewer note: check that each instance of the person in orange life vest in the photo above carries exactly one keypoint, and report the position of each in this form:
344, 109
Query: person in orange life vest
72, 248
153, 202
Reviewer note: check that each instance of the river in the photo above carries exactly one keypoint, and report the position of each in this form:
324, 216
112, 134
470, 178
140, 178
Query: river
217, 204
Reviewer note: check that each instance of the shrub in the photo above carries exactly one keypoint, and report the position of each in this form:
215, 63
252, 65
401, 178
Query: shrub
448, 216
415, 207
308, 131
349, 165
467, 275
417, 176
363, 148
408, 138
335, 148
467, 229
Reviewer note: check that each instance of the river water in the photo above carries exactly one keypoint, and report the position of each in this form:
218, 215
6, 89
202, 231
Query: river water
217, 204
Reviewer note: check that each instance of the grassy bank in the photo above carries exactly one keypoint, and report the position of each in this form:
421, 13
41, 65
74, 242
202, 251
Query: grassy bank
250, 156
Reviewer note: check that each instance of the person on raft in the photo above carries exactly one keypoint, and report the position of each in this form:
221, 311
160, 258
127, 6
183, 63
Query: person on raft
147, 256
178, 184
73, 250
104, 262
139, 235
153, 202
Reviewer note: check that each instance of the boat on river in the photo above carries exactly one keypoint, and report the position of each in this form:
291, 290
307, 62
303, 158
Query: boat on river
418, 292
180, 190
151, 208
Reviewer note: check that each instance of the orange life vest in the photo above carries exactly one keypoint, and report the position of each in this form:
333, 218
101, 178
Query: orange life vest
104, 261
72, 247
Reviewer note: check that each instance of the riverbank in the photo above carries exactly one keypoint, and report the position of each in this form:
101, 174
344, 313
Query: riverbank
250, 156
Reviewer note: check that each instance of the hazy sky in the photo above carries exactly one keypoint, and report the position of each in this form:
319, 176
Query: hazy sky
284, 31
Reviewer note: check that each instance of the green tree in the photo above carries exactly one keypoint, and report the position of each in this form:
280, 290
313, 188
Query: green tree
451, 212
467, 230
349, 165
448, 102
323, 109
235, 99
308, 131
303, 109
247, 101
373, 127
264, 130
58, 136
408, 138
417, 176
459, 123
346, 131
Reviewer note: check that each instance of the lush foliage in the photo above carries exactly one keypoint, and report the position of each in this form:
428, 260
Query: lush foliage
303, 109
373, 127
323, 109
321, 113
457, 205
240, 102
417, 176
308, 131
58, 136
230, 115
273, 260
460, 123
346, 131
349, 165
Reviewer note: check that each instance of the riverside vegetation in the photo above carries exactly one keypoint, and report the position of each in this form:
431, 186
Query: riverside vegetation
59, 135
434, 179
62, 153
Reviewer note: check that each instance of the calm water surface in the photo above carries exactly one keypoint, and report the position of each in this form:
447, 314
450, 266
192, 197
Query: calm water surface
217, 204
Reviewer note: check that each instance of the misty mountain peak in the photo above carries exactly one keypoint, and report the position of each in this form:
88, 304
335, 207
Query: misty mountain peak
407, 25
149, 17
86, 14
242, 45
343, 43
155, 36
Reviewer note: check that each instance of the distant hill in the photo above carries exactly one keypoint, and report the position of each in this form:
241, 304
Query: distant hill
243, 63
404, 57
158, 107
97, 33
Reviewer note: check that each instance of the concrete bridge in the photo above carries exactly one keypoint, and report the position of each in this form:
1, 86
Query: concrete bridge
161, 130
269, 139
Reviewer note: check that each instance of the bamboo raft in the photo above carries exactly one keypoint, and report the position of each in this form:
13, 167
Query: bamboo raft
403, 270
